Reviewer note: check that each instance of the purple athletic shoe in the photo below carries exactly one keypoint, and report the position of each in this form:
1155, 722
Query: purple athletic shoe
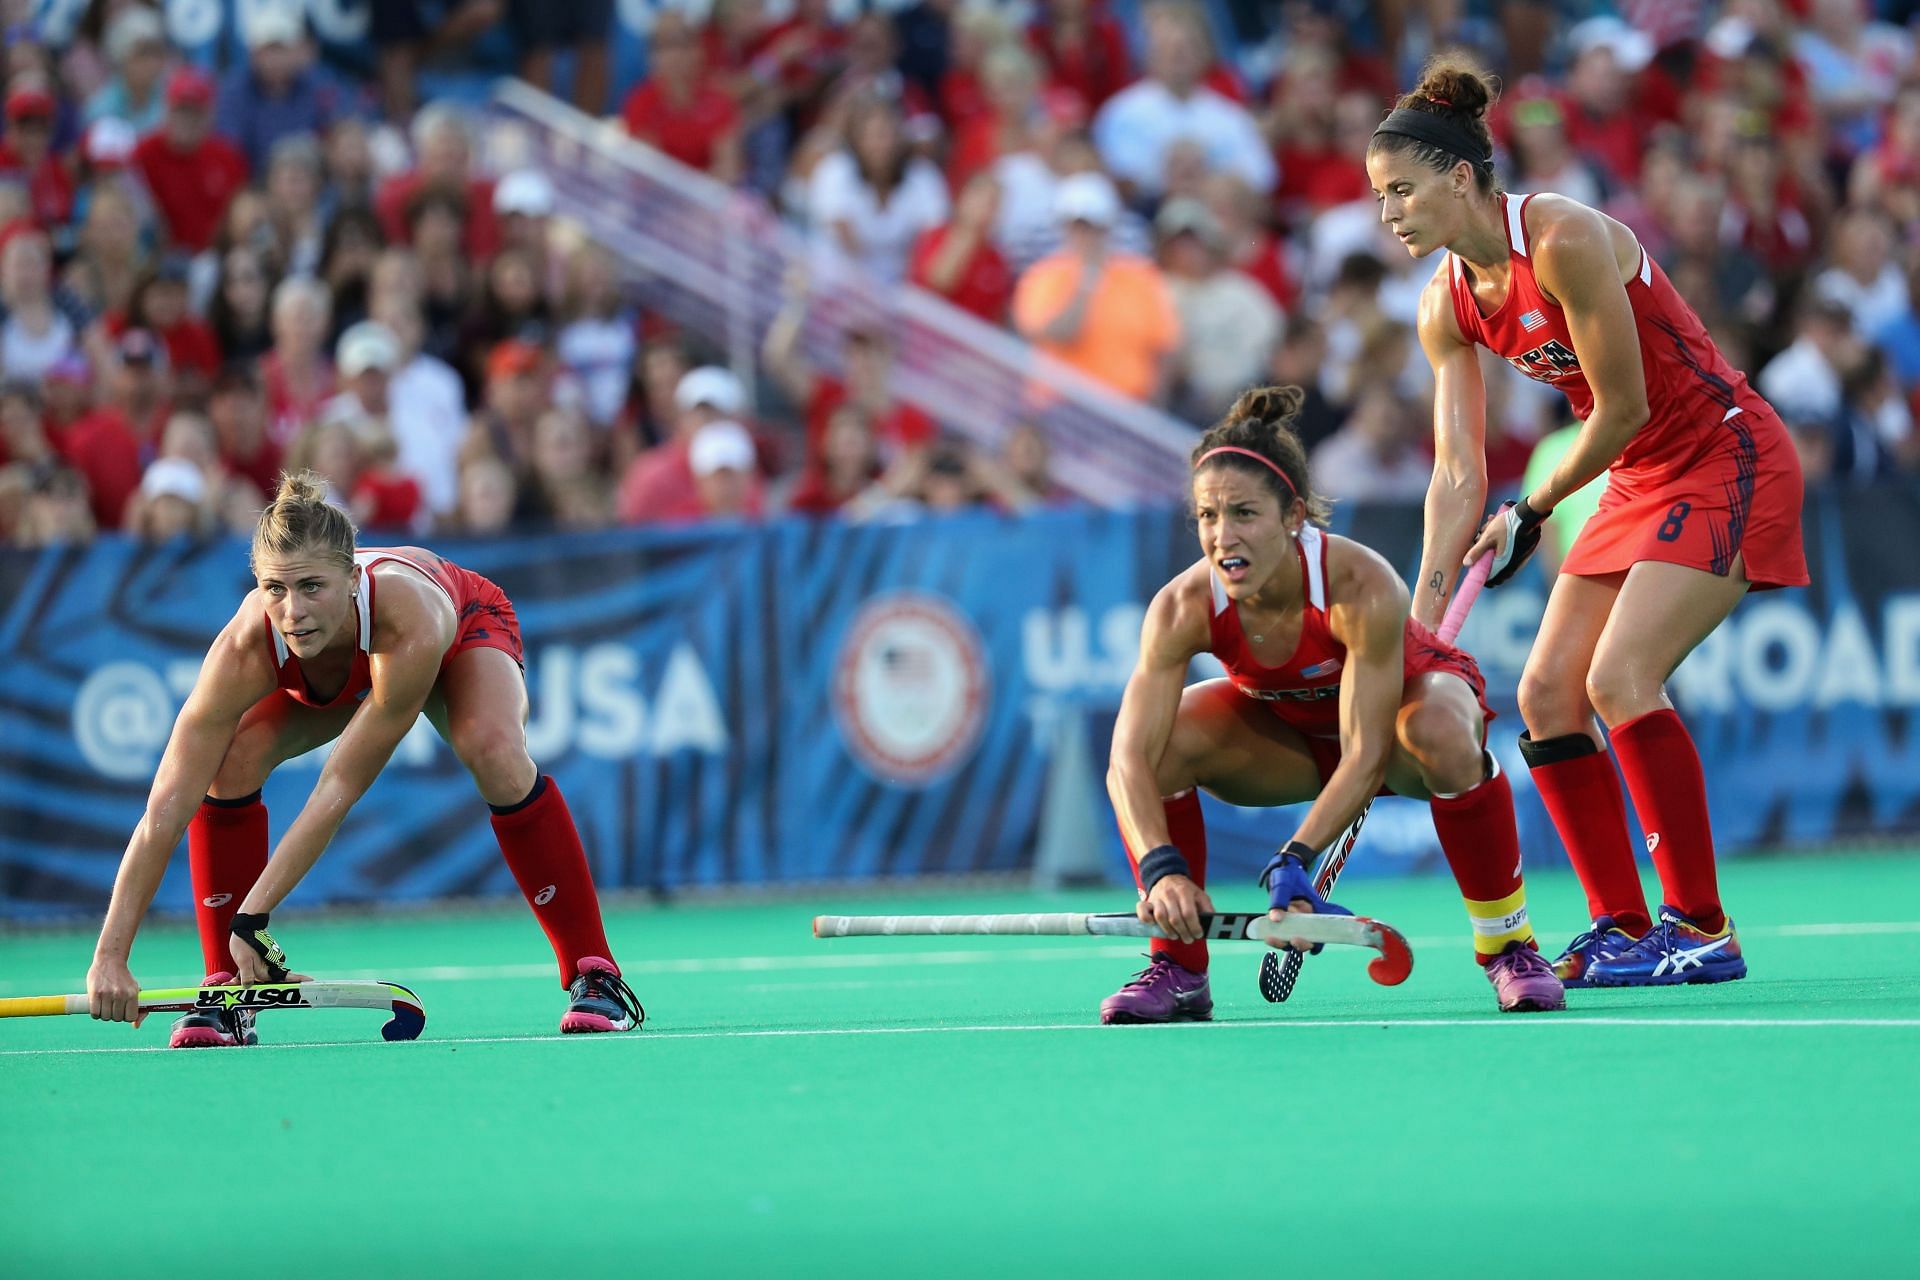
1524, 981
1161, 992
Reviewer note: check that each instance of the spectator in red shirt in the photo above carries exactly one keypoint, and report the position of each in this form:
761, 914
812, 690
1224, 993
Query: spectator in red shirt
958, 260
160, 307
298, 376
848, 462
1011, 78
26, 152
191, 171
239, 415
1602, 121
1084, 47
108, 445
726, 477
679, 109
867, 362
445, 152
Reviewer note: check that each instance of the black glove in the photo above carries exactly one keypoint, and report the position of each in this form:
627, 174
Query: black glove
1523, 535
252, 930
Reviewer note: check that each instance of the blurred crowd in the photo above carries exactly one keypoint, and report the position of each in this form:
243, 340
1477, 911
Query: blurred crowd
209, 273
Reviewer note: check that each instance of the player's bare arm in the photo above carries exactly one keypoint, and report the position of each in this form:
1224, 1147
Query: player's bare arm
235, 674
1368, 614
413, 632
1457, 494
1175, 629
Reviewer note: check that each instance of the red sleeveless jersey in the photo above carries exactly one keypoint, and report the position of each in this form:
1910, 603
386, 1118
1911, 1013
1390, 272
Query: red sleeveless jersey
1304, 691
1691, 389
463, 587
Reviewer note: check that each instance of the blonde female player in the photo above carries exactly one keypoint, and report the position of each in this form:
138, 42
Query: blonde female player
1332, 690
338, 643
1703, 503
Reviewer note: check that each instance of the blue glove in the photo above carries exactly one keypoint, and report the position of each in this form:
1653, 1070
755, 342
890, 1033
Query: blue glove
1286, 878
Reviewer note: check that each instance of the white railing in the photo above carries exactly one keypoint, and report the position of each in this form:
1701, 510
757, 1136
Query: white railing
715, 261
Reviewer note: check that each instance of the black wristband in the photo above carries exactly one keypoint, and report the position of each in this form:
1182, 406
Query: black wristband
251, 929
1160, 862
1304, 854
1528, 516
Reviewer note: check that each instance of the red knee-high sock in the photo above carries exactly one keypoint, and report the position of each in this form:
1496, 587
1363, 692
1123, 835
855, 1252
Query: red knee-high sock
1669, 789
226, 852
543, 852
1482, 844
1187, 832
1582, 795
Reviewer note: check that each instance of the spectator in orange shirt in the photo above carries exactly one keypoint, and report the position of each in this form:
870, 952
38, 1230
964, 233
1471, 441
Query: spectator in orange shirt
678, 109
1107, 314
191, 171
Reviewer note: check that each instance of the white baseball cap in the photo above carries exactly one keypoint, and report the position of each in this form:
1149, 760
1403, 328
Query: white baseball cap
1631, 47
1086, 197
276, 23
711, 386
720, 446
525, 191
174, 478
367, 345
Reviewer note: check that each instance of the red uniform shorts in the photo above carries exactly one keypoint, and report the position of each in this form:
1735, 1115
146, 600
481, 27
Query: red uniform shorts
487, 620
1739, 496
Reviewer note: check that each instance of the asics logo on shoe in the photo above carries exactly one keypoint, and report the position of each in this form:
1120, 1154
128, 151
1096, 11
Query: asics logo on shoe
1653, 841
1683, 958
217, 900
545, 896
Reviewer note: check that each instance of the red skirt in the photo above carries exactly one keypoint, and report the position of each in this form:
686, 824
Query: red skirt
1739, 497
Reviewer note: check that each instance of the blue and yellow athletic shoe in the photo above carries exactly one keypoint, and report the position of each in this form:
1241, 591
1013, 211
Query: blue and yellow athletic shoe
1675, 950
1601, 942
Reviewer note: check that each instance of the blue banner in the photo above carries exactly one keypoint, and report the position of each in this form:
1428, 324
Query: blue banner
807, 701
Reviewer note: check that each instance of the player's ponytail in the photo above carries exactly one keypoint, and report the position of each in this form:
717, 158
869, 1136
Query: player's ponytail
1444, 119
1257, 437
299, 518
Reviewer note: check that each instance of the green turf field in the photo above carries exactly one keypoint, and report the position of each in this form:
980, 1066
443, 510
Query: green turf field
939, 1106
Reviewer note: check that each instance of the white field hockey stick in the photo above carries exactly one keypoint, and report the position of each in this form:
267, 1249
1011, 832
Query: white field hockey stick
409, 1016
1390, 968
1278, 973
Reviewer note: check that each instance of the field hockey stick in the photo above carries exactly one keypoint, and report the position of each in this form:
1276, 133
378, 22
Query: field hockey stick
409, 1015
1389, 968
1278, 973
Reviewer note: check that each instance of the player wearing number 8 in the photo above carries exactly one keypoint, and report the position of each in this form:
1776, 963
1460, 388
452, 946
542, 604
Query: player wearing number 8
352, 644
1702, 504
1332, 694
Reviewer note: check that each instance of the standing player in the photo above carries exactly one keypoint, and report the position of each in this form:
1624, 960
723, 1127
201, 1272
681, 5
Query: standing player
1332, 690
335, 643
1703, 503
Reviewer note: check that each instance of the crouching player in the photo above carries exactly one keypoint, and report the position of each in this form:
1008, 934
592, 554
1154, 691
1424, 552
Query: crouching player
1333, 694
351, 644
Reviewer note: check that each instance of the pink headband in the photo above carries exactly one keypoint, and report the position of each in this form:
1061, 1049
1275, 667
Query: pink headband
1260, 458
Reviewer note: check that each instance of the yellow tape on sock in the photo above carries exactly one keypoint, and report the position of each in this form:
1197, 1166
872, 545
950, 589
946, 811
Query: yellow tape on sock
1500, 922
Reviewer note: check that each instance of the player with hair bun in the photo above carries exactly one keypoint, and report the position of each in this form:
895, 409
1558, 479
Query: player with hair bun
1333, 694
1702, 504
353, 644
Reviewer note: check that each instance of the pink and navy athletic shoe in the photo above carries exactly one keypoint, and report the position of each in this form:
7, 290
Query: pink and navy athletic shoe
214, 1028
601, 999
1675, 950
1164, 991
1524, 982
1602, 941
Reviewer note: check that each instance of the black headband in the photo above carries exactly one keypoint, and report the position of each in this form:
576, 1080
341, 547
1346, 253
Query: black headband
1437, 131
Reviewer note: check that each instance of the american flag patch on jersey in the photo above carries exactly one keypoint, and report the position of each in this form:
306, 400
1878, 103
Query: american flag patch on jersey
1532, 320
1319, 669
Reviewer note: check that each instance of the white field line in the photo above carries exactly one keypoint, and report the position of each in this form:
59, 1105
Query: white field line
1186, 1028
1066, 949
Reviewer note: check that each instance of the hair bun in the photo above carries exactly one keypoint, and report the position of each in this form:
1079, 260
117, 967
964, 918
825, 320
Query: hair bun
301, 486
1268, 405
